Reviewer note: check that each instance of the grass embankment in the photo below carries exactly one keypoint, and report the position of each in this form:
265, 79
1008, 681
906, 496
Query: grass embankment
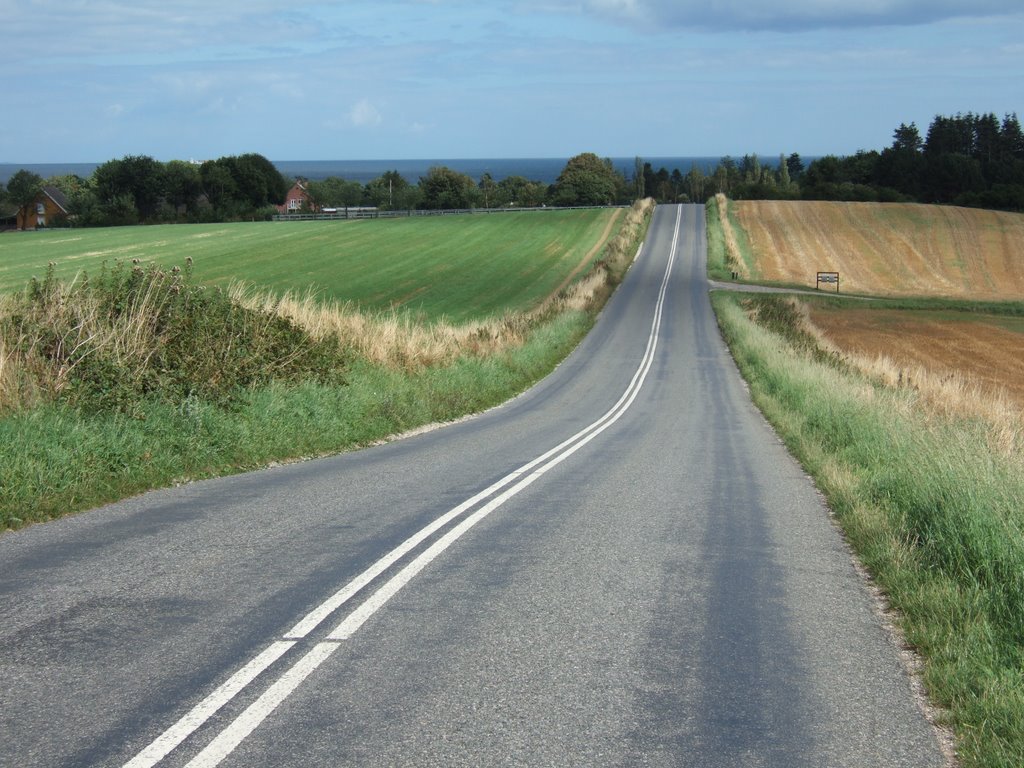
931, 500
924, 469
728, 247
140, 377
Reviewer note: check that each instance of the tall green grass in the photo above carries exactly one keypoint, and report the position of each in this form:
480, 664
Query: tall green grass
719, 265
1013, 309
57, 458
931, 507
729, 247
746, 251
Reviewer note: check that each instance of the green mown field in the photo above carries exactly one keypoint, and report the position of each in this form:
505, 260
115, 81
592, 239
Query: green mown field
155, 380
461, 268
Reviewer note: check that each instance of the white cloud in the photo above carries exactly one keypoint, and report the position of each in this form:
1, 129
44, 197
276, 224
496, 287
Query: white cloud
792, 15
111, 28
365, 115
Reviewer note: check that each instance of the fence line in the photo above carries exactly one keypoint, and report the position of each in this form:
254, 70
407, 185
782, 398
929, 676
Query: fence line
364, 213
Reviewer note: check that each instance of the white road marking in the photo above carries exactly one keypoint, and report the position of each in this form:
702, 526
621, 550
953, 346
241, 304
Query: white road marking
203, 711
355, 620
250, 719
257, 712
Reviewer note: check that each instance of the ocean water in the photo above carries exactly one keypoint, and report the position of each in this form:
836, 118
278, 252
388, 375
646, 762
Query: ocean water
545, 170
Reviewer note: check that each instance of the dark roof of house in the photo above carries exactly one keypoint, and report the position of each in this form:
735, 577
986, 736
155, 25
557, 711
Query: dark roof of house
57, 196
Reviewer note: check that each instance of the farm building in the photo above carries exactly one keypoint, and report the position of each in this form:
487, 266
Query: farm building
50, 205
297, 199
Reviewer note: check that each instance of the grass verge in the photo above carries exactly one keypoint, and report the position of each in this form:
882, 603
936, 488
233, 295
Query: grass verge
728, 245
114, 386
720, 265
930, 503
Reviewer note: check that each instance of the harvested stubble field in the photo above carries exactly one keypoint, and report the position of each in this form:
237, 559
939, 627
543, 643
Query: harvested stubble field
904, 250
985, 350
888, 249
908, 411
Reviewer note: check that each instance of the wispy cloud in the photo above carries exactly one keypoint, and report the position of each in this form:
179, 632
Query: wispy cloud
406, 78
364, 114
793, 15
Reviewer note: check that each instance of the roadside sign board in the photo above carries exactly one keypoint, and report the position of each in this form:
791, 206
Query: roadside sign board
828, 278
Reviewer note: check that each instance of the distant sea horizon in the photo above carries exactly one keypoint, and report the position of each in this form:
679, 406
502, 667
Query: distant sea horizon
545, 170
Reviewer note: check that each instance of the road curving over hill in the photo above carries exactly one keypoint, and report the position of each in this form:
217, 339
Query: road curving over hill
623, 566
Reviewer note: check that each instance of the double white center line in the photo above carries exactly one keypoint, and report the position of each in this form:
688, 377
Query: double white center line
484, 503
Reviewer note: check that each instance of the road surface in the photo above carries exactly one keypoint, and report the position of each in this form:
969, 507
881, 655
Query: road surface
622, 566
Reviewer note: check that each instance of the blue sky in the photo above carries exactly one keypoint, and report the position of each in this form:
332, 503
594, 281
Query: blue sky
90, 80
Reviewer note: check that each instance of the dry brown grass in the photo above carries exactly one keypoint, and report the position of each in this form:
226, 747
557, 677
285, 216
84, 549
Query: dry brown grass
951, 385
732, 248
397, 340
387, 338
889, 249
67, 328
36, 368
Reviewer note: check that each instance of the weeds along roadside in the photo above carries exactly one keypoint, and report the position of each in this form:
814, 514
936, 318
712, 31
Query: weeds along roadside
932, 500
725, 254
396, 340
137, 378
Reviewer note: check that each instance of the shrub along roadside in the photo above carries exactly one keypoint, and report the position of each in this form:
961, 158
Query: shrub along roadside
78, 446
128, 334
931, 509
66, 459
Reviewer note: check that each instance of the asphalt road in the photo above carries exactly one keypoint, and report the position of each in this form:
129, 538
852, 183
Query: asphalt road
623, 566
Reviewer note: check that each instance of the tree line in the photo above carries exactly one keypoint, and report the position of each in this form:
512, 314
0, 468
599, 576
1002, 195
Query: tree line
139, 189
966, 159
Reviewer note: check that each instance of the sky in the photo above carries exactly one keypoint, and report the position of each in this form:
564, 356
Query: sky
92, 80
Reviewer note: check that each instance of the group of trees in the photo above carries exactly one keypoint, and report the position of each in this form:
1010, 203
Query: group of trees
745, 178
138, 189
585, 180
973, 160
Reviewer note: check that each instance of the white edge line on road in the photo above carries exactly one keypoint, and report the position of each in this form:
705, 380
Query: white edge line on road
250, 719
205, 709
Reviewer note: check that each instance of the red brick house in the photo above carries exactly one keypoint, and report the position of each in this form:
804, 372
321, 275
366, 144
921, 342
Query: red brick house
49, 206
297, 199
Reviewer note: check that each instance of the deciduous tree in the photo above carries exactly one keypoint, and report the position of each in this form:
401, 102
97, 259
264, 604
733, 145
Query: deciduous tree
183, 185
487, 188
22, 189
139, 176
390, 191
444, 188
586, 180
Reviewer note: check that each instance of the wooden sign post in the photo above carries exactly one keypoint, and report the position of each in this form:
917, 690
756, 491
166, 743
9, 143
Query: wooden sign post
827, 277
